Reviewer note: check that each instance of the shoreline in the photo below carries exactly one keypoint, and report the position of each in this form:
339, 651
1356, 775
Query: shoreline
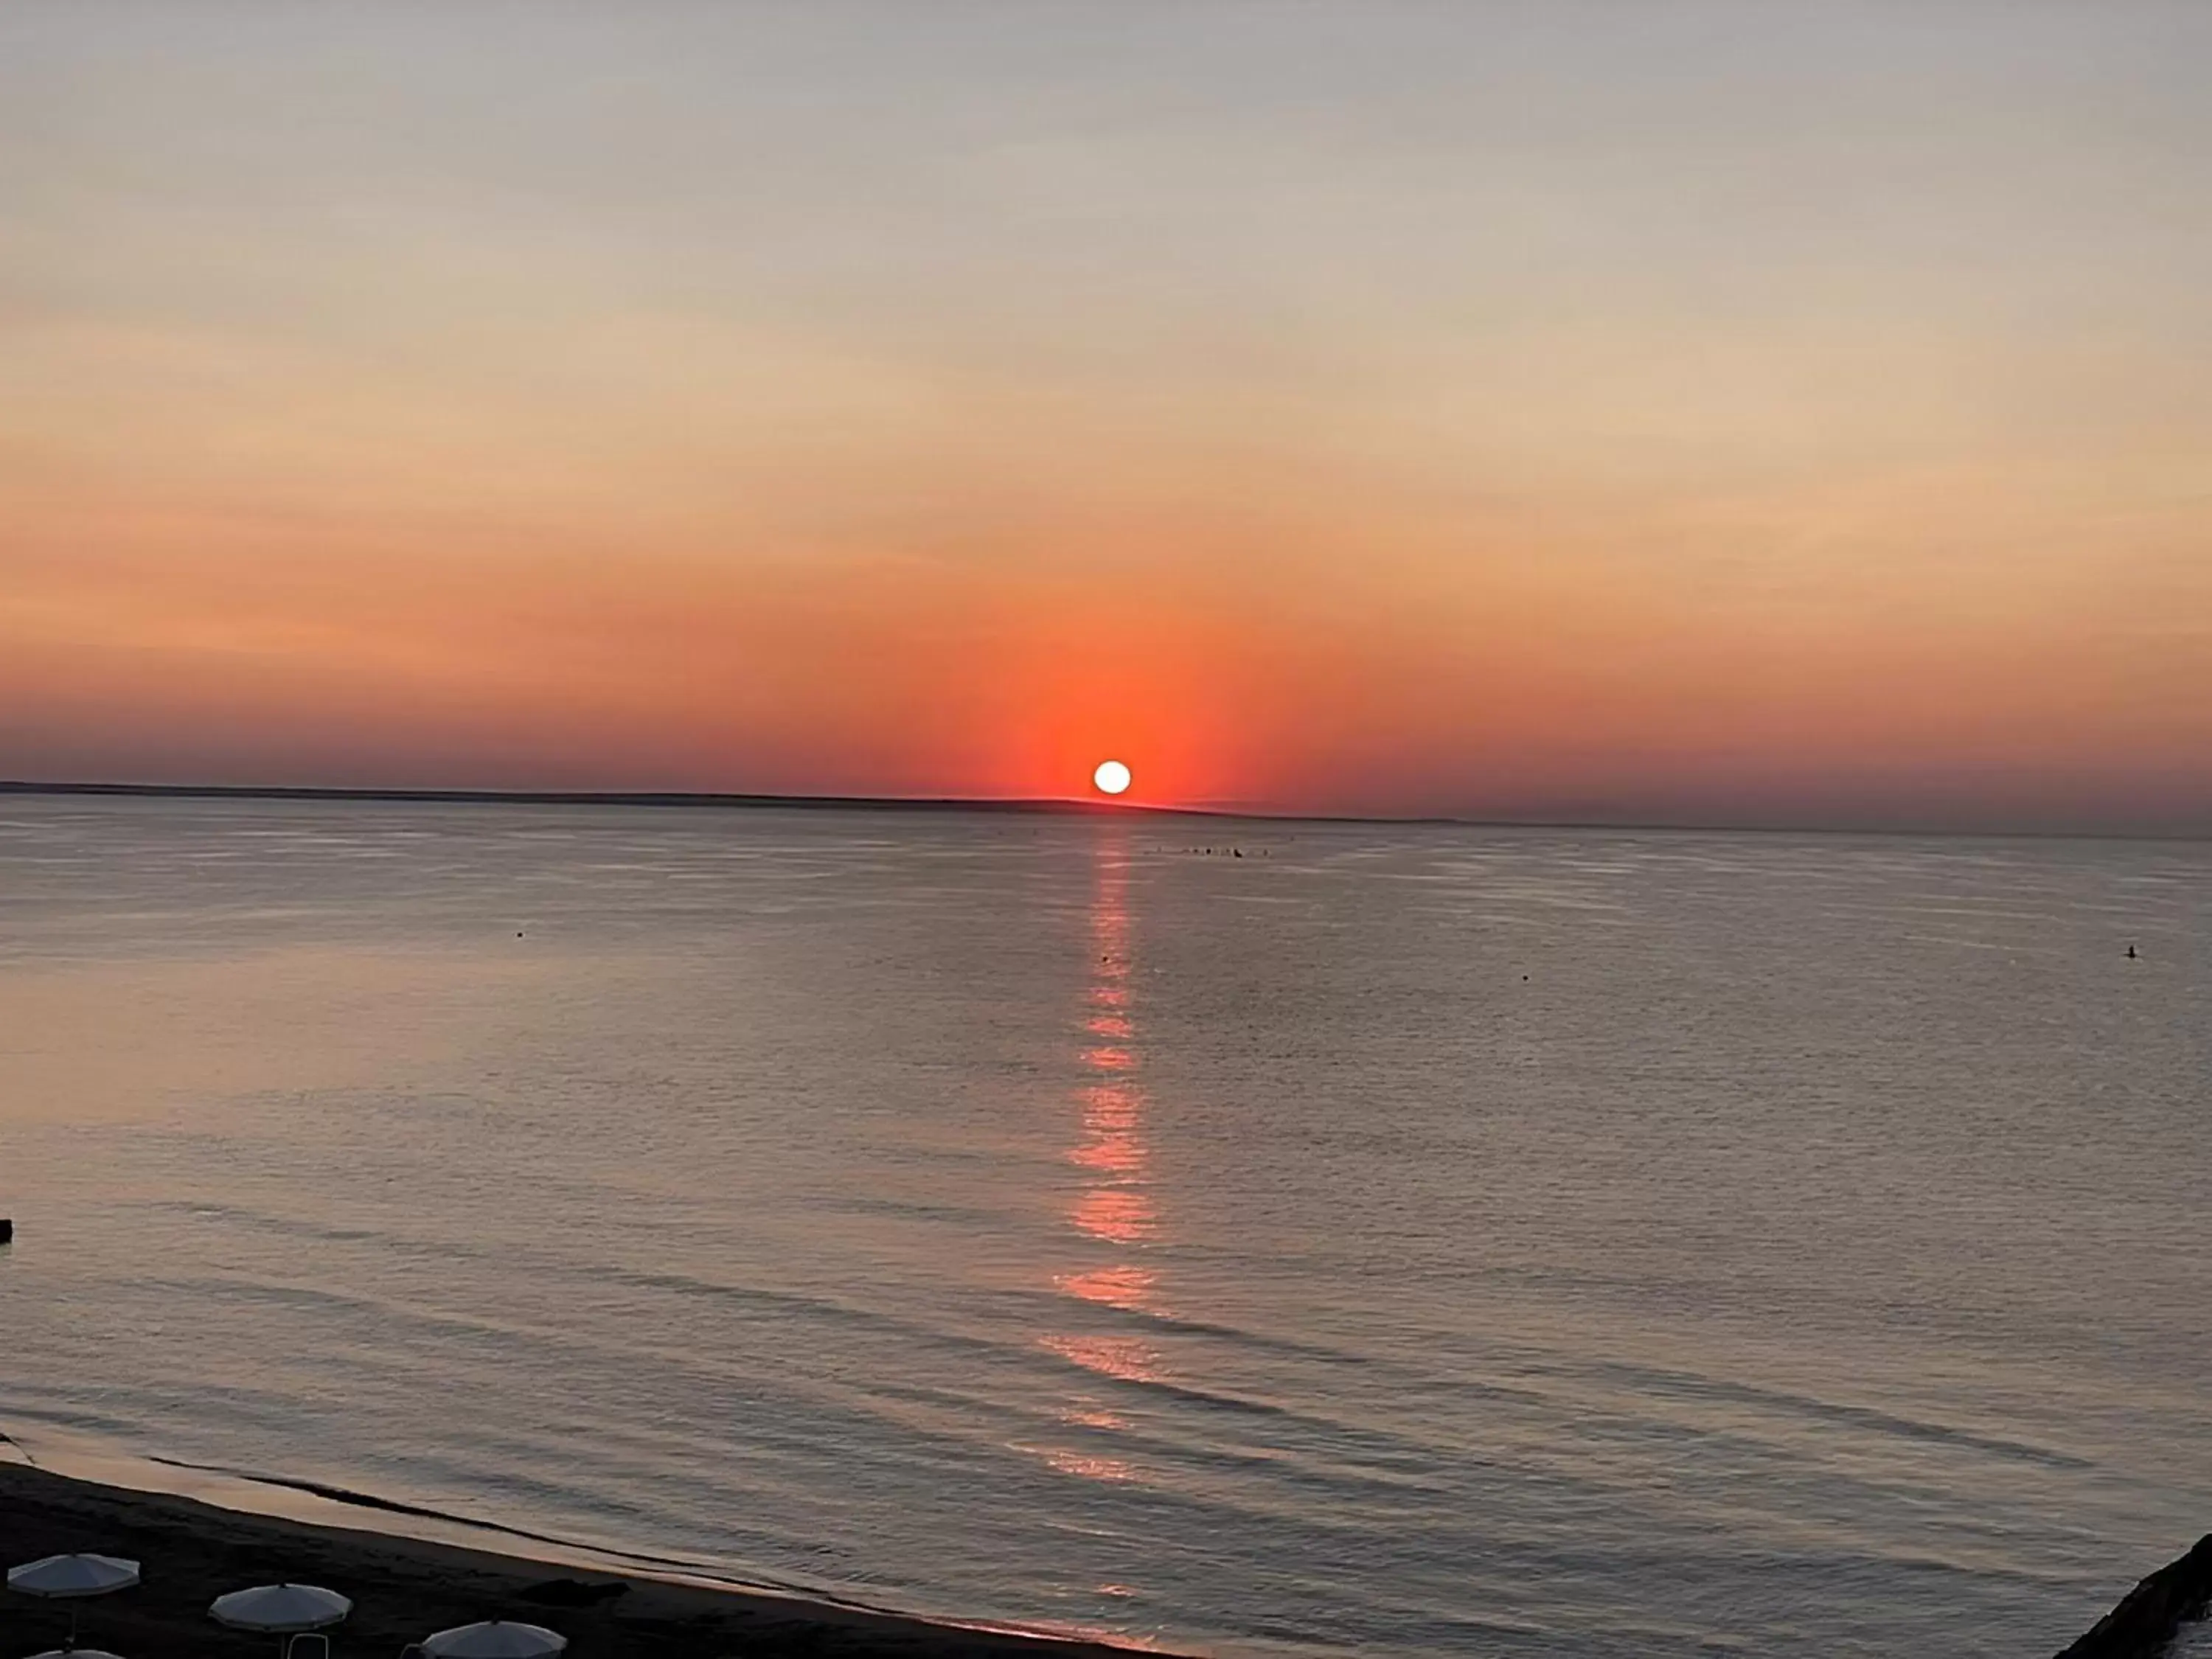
406, 1587
403, 1587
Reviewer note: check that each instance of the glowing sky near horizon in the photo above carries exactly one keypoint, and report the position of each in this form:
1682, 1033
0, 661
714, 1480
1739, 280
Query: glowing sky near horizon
1697, 411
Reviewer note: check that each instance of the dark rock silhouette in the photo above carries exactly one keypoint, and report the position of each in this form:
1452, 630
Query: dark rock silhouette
2149, 1615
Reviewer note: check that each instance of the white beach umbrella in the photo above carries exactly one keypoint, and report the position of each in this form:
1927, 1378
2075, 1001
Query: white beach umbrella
496, 1639
71, 1576
281, 1608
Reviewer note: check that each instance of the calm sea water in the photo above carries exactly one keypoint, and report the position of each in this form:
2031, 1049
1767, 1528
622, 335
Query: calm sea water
1422, 1239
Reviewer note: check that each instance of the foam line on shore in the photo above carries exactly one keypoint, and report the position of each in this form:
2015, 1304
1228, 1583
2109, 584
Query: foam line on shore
393, 1506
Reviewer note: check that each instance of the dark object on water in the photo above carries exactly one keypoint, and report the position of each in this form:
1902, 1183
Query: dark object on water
2149, 1615
571, 1592
7, 1230
2131, 953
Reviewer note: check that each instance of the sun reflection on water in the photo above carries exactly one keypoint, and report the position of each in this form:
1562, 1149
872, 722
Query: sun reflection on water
1124, 1358
1119, 1287
1114, 1208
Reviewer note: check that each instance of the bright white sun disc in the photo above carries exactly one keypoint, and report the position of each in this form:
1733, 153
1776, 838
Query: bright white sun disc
1111, 777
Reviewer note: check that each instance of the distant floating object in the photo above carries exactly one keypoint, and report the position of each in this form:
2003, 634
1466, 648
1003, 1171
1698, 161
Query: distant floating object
2131, 953
7, 1230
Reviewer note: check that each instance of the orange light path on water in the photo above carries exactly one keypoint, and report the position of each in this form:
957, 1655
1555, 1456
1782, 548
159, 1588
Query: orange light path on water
1114, 1208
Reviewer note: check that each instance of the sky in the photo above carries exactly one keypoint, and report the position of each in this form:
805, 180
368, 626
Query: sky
1676, 412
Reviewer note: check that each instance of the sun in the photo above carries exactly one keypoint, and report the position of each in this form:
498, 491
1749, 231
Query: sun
1112, 777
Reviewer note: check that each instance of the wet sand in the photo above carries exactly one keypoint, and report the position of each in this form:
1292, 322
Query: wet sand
403, 1588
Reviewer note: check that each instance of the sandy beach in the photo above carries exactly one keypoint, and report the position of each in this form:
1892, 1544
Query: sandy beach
403, 1588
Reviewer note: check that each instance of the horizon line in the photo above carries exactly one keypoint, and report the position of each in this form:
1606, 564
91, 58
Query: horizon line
1048, 806
689, 798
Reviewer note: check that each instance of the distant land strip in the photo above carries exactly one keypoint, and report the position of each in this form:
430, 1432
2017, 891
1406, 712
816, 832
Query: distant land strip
622, 797
1567, 818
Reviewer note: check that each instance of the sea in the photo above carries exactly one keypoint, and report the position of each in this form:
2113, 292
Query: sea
1227, 1237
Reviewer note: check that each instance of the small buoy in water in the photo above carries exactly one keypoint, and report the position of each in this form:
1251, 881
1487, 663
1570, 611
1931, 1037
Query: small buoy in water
7, 1229
2131, 953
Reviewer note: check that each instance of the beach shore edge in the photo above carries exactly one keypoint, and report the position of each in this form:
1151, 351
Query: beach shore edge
405, 1588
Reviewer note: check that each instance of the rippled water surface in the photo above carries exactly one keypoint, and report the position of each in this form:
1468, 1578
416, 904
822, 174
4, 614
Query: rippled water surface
1424, 1240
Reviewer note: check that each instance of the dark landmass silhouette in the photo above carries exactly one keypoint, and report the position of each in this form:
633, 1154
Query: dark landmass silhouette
1556, 817
2149, 1616
622, 797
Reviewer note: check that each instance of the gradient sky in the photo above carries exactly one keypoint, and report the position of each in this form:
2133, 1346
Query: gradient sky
1766, 413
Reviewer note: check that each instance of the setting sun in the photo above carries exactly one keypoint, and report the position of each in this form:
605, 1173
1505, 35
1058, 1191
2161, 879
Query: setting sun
565, 563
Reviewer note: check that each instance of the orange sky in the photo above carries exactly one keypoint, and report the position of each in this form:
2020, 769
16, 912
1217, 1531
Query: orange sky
1666, 415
